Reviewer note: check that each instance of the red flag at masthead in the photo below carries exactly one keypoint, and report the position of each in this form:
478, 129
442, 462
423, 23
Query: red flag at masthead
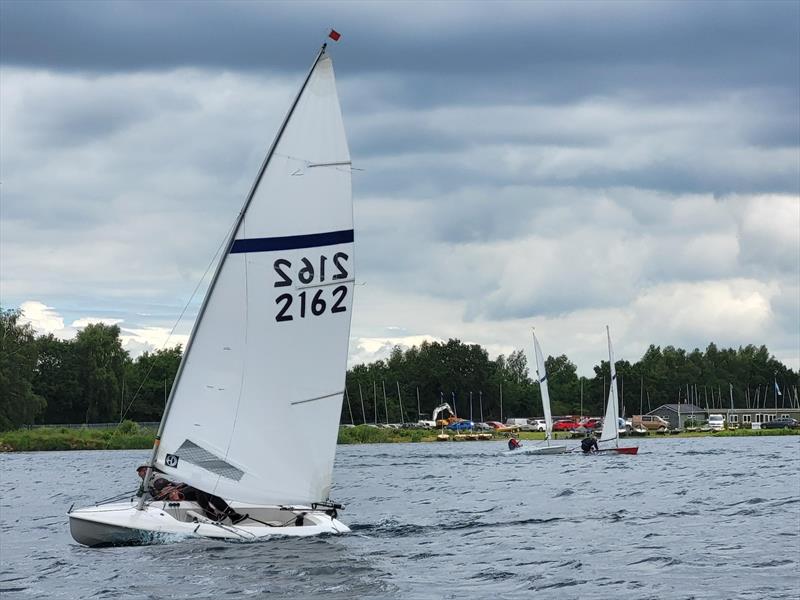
334, 35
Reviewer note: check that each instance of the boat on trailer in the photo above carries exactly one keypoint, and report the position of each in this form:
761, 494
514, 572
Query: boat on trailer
264, 366
541, 376
610, 432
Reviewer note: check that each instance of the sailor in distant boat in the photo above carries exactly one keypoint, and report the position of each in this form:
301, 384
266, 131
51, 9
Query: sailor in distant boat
215, 507
513, 444
589, 444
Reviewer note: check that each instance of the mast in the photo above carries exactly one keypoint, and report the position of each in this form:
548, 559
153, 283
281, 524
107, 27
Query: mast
470, 406
605, 398
641, 395
775, 392
363, 413
400, 402
385, 404
480, 403
501, 402
419, 413
218, 270
349, 408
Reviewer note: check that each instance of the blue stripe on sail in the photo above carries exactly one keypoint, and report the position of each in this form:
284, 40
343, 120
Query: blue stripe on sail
543, 379
292, 242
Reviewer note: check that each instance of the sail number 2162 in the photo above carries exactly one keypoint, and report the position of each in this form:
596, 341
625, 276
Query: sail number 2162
311, 301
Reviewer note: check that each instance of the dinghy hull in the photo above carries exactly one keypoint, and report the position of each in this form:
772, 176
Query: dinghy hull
536, 450
122, 524
620, 450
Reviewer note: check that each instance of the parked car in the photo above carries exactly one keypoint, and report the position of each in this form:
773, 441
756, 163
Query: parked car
498, 426
716, 422
650, 422
483, 427
536, 425
783, 422
592, 423
461, 426
565, 425
516, 422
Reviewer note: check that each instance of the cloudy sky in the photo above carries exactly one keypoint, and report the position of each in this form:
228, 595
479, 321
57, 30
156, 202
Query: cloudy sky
560, 165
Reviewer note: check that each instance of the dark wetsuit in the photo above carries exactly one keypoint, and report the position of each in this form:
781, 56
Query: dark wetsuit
589, 443
513, 444
215, 507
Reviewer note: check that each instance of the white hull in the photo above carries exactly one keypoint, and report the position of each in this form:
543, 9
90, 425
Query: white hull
121, 524
527, 450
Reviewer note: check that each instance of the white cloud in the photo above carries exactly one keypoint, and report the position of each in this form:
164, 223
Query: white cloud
46, 320
474, 219
367, 350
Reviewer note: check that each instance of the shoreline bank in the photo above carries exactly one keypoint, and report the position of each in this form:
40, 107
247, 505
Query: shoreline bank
130, 437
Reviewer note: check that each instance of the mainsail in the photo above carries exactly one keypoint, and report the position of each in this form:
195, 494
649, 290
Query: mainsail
254, 411
541, 375
610, 421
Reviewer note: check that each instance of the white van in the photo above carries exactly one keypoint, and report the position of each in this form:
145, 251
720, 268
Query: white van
716, 422
516, 422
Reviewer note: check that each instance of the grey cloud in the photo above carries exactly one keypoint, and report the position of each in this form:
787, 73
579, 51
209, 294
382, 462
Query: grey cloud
545, 46
559, 165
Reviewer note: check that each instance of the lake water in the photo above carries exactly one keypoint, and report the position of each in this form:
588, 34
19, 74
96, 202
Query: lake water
686, 518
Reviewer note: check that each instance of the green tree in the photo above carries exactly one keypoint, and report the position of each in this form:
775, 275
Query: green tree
148, 381
101, 363
56, 380
19, 405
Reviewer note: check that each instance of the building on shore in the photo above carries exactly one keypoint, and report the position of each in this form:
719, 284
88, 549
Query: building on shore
679, 414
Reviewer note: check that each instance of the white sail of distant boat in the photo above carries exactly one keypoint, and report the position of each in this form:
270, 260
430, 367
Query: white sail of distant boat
254, 410
541, 377
610, 431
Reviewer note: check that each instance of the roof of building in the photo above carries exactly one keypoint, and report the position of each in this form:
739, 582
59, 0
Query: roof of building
684, 408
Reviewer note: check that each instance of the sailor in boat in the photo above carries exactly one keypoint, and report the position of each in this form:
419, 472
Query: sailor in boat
215, 507
589, 444
513, 444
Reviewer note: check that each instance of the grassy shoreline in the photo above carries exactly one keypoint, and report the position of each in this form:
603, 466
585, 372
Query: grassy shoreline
129, 436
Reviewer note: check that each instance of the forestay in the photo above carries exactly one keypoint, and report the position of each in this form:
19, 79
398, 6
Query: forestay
255, 411
610, 430
541, 375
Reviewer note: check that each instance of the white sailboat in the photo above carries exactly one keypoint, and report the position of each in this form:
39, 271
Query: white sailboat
254, 410
610, 433
541, 375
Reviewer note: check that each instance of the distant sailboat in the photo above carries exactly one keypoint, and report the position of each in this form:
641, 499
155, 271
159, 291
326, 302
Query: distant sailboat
254, 411
541, 376
610, 432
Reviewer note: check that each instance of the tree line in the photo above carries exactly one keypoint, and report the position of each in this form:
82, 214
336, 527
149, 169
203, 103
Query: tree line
478, 387
88, 379
93, 379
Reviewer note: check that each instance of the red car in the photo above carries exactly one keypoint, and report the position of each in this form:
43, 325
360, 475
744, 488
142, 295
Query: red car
495, 425
592, 423
565, 425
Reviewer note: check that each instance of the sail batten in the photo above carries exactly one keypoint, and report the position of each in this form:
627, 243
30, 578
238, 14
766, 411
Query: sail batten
273, 334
